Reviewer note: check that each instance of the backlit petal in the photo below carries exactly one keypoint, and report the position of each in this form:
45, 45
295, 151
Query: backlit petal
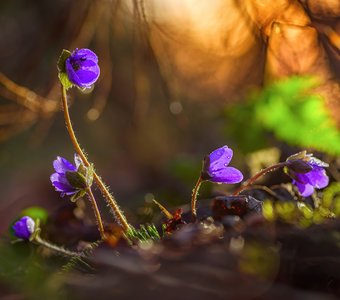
318, 178
227, 175
305, 190
62, 165
220, 158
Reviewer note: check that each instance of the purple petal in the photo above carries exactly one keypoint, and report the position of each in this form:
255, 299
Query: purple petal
61, 184
88, 64
220, 158
87, 76
226, 175
84, 52
318, 177
54, 177
315, 162
82, 68
62, 165
24, 227
304, 189
301, 178
82, 77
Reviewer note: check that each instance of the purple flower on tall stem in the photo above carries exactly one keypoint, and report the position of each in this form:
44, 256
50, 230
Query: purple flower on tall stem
215, 167
24, 228
61, 178
315, 177
82, 67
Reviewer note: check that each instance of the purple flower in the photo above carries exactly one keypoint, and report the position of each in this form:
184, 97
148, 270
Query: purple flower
82, 67
215, 167
307, 173
306, 183
61, 179
24, 228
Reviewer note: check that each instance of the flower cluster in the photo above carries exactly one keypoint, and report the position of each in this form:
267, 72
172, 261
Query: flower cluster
80, 68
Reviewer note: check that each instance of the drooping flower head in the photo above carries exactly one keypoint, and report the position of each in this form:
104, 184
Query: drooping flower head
82, 67
24, 227
215, 167
307, 173
70, 179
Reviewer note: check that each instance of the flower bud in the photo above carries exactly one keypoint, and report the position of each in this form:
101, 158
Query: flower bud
24, 228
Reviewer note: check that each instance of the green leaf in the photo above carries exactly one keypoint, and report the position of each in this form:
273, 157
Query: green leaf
143, 234
297, 116
89, 174
64, 80
291, 110
76, 180
268, 211
62, 69
35, 212
65, 54
78, 195
331, 198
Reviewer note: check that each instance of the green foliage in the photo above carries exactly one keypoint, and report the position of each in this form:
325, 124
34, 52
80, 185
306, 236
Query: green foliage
76, 179
290, 110
78, 262
36, 213
143, 233
78, 195
23, 270
64, 80
331, 198
259, 260
87, 174
298, 213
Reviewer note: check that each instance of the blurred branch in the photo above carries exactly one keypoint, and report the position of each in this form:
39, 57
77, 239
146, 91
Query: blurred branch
142, 39
27, 97
102, 40
14, 118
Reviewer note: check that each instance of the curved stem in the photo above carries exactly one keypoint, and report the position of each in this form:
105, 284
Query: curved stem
263, 172
56, 248
70, 128
194, 197
96, 212
110, 199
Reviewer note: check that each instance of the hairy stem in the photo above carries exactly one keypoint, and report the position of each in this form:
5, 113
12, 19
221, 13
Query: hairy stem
110, 199
56, 248
263, 172
96, 212
194, 197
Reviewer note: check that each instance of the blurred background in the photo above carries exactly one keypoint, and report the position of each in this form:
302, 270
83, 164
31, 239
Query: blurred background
178, 79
